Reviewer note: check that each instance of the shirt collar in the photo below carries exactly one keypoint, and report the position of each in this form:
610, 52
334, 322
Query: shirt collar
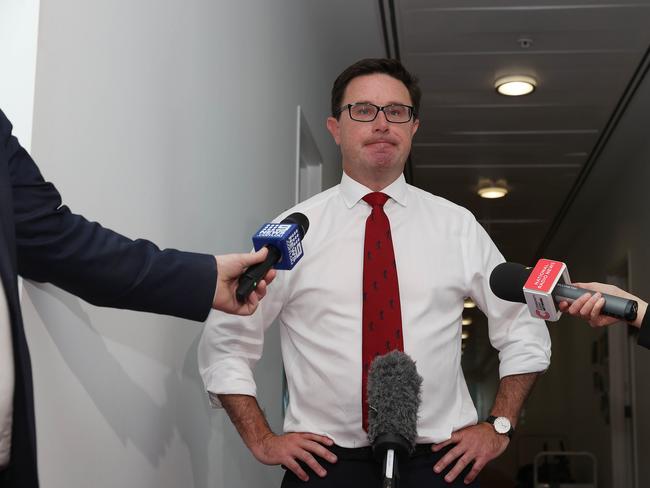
353, 191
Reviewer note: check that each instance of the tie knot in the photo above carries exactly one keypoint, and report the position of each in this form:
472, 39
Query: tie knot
376, 199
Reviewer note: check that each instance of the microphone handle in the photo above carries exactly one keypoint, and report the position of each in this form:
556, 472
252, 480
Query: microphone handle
253, 275
617, 307
391, 473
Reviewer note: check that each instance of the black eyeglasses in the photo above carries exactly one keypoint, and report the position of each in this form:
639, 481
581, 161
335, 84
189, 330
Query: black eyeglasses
367, 112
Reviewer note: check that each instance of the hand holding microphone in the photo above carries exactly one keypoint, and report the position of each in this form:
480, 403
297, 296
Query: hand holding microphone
589, 306
548, 284
229, 269
283, 241
242, 278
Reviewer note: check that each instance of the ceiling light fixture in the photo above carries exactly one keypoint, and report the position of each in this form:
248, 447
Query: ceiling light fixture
467, 320
492, 189
515, 86
465, 335
469, 303
492, 192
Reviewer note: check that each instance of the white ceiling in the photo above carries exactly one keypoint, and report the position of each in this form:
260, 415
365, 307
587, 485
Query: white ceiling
583, 54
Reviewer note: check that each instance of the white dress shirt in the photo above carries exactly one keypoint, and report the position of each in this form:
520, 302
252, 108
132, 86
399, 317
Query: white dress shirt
6, 380
442, 256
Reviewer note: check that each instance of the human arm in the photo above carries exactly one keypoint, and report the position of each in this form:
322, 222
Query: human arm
99, 265
644, 333
270, 448
228, 353
524, 351
479, 444
589, 307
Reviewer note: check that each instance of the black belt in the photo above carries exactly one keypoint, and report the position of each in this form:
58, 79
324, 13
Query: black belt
365, 453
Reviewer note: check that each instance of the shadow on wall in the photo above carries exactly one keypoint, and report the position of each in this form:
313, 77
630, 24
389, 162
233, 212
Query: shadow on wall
133, 415
239, 468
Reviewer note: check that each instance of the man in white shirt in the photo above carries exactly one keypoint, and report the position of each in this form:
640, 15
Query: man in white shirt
440, 255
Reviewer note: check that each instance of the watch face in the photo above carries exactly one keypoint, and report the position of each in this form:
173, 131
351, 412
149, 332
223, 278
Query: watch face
502, 425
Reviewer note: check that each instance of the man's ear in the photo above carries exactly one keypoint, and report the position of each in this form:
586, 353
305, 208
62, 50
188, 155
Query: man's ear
333, 127
416, 125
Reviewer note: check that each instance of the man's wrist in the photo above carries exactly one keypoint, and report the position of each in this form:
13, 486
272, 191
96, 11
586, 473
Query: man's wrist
643, 308
216, 282
644, 330
259, 448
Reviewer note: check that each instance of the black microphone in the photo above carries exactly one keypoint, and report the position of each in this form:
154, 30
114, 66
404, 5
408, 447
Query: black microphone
508, 279
283, 241
393, 401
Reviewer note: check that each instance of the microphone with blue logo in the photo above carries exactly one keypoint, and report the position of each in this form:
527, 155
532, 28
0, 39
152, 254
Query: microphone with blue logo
284, 242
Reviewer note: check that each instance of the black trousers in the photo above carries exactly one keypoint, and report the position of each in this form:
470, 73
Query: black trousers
356, 468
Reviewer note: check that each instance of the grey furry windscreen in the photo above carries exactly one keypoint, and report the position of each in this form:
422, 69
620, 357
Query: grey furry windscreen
393, 396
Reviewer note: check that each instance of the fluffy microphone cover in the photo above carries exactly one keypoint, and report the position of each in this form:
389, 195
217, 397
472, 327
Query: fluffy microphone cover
393, 397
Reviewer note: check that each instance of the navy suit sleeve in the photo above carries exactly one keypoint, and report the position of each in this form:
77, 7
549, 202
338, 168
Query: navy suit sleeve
99, 265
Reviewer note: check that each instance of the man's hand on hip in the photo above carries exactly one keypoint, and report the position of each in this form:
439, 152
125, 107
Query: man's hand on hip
290, 448
479, 444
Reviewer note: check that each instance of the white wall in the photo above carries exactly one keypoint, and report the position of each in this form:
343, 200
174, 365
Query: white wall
173, 121
18, 33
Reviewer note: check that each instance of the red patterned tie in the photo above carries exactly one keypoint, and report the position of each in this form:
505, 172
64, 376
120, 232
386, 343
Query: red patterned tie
382, 315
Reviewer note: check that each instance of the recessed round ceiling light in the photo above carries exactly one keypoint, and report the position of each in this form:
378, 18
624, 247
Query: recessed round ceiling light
515, 86
465, 335
496, 191
492, 192
467, 320
488, 188
469, 303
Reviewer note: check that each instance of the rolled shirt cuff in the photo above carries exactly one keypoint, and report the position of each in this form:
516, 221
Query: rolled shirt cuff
228, 377
512, 362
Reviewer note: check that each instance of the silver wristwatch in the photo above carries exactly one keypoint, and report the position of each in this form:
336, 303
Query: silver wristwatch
501, 425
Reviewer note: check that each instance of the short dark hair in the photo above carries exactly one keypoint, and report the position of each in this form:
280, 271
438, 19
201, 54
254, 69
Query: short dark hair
390, 67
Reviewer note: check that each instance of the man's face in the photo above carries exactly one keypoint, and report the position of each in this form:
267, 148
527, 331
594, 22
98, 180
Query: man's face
373, 152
